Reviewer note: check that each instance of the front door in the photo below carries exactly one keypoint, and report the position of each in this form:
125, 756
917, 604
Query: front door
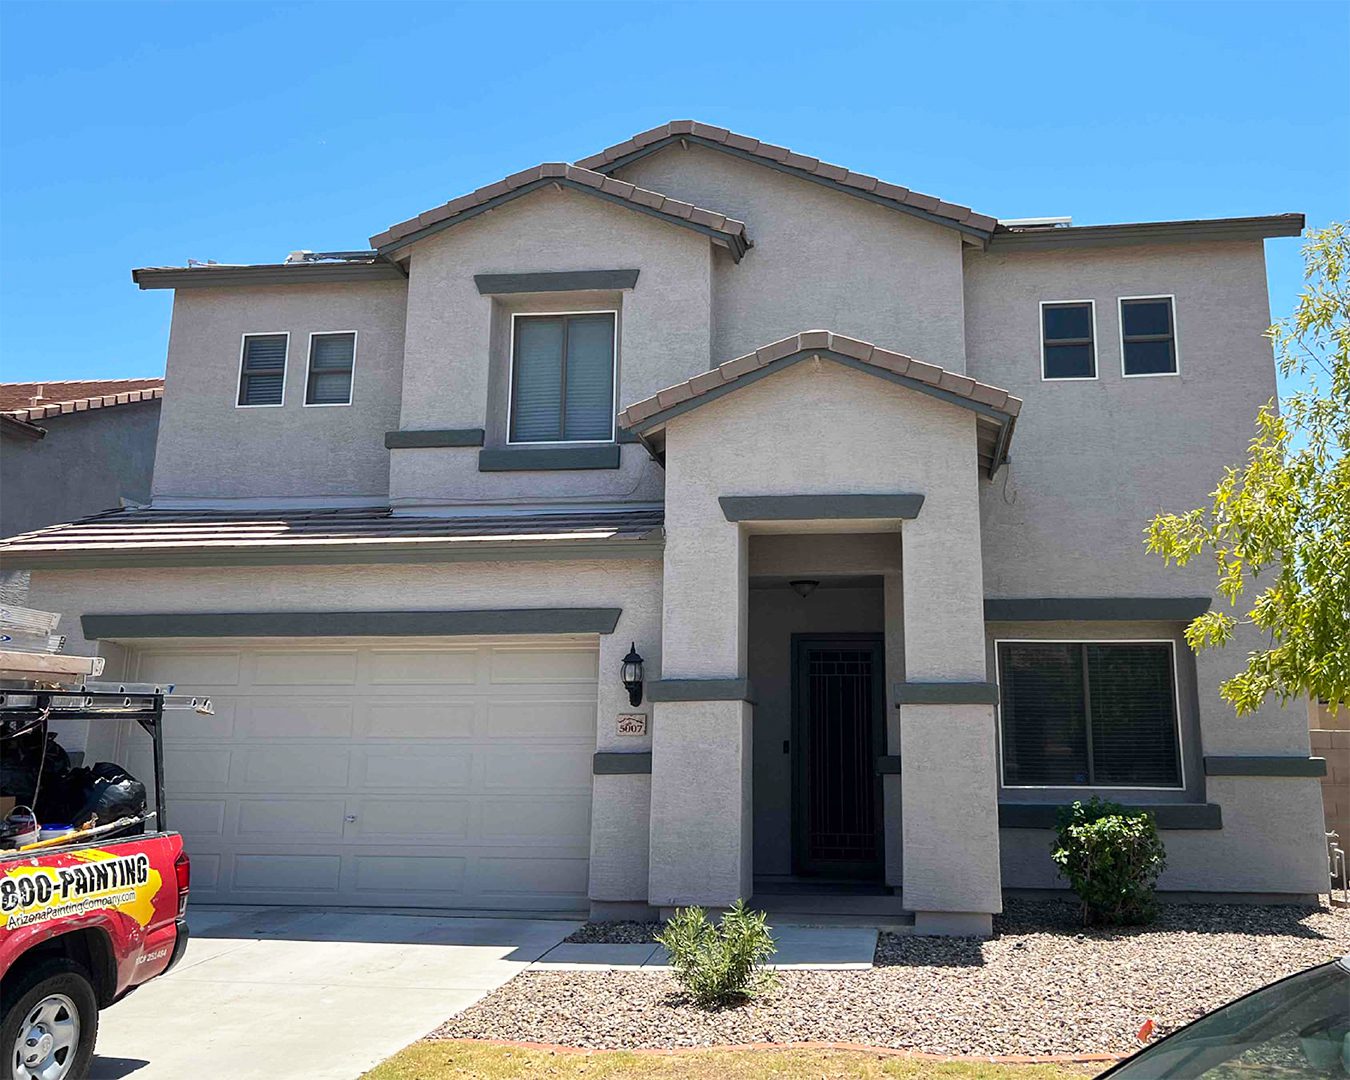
839, 727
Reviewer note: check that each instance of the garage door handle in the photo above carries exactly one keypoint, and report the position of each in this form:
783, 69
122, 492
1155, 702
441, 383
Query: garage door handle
349, 818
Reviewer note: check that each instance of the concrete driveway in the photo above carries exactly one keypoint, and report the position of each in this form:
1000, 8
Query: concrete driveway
304, 993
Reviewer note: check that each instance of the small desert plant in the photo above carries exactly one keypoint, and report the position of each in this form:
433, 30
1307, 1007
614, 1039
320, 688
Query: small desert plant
1111, 858
722, 964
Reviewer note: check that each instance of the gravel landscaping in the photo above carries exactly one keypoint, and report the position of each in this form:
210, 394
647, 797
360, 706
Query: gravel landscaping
615, 933
1042, 985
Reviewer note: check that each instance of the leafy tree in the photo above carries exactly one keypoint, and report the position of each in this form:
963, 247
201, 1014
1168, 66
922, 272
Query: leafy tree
1279, 525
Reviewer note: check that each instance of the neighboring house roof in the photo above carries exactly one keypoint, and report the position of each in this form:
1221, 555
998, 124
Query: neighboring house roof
784, 160
149, 537
32, 401
996, 409
722, 230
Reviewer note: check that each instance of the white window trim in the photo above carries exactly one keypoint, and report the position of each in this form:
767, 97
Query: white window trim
285, 367
1176, 337
309, 362
511, 380
1096, 359
1176, 714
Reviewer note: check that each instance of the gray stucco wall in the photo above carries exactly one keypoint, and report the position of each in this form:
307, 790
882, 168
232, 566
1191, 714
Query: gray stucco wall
208, 448
821, 259
88, 462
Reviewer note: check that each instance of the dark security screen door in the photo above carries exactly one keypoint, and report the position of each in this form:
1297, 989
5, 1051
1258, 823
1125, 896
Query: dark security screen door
839, 729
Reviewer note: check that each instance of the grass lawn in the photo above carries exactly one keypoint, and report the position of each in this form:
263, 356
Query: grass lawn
451, 1061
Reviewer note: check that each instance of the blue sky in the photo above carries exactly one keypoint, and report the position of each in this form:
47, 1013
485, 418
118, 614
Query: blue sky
145, 134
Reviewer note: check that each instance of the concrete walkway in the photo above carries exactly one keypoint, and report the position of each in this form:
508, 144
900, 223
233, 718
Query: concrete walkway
309, 995
800, 948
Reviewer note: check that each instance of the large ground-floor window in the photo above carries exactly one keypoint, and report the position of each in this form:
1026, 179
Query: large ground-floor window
1089, 714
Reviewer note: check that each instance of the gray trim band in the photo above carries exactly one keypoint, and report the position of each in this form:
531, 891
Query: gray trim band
952, 693
549, 458
618, 163
1265, 765
410, 440
813, 507
1171, 816
354, 623
1097, 608
555, 281
701, 690
1148, 232
621, 763
174, 277
888, 765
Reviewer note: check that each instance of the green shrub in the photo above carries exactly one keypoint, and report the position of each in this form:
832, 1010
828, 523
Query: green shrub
1112, 859
723, 964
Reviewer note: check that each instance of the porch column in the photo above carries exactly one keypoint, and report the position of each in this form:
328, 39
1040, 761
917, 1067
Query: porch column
701, 808
947, 749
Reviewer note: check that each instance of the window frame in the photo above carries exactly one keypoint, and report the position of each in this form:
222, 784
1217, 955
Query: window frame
285, 368
1177, 725
1176, 337
511, 381
309, 369
1096, 358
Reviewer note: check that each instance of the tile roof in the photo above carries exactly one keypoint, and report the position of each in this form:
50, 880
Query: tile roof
723, 230
779, 157
139, 534
999, 409
32, 401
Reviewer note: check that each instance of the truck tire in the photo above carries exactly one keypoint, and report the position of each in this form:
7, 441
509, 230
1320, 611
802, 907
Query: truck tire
49, 1024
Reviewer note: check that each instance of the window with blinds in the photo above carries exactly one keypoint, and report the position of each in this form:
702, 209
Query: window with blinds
332, 358
1089, 714
262, 369
562, 378
1148, 340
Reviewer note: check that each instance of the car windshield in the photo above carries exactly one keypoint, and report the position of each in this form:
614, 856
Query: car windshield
1298, 1027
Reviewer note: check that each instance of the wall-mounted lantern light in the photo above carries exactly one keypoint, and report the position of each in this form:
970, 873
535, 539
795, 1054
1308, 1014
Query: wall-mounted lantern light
632, 675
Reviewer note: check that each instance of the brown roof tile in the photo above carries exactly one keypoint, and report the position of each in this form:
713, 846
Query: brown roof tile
811, 168
723, 230
32, 401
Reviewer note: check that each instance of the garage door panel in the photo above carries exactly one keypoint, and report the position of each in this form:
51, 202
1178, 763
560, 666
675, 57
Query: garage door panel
425, 667
291, 819
569, 717
289, 767
202, 669
516, 664
305, 667
275, 873
427, 766
424, 719
295, 718
565, 768
466, 765
536, 821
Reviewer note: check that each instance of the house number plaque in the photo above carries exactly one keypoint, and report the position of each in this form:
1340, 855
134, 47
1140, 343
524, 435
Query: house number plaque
632, 724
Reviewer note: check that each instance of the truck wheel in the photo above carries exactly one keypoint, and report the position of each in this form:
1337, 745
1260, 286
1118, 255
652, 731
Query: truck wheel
50, 1023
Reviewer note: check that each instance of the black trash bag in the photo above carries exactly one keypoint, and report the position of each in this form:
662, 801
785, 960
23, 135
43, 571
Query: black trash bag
106, 792
22, 757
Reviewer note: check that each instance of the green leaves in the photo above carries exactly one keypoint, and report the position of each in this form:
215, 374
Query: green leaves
1278, 527
1111, 859
719, 965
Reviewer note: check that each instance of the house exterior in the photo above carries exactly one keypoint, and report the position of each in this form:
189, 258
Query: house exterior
859, 473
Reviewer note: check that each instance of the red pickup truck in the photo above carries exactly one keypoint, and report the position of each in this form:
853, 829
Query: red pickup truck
85, 921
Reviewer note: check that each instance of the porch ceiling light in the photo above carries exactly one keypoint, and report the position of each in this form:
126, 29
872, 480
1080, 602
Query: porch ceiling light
632, 675
804, 586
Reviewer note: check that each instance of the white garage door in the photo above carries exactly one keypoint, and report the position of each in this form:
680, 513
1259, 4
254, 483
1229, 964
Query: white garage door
450, 773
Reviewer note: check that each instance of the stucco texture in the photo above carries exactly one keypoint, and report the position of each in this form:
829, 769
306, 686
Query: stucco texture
209, 449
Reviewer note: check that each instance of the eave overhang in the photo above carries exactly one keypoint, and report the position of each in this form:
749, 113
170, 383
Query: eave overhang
1146, 232
316, 273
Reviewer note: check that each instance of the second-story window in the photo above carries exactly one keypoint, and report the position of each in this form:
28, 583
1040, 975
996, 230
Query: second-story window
1068, 339
262, 370
331, 360
562, 377
1148, 340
